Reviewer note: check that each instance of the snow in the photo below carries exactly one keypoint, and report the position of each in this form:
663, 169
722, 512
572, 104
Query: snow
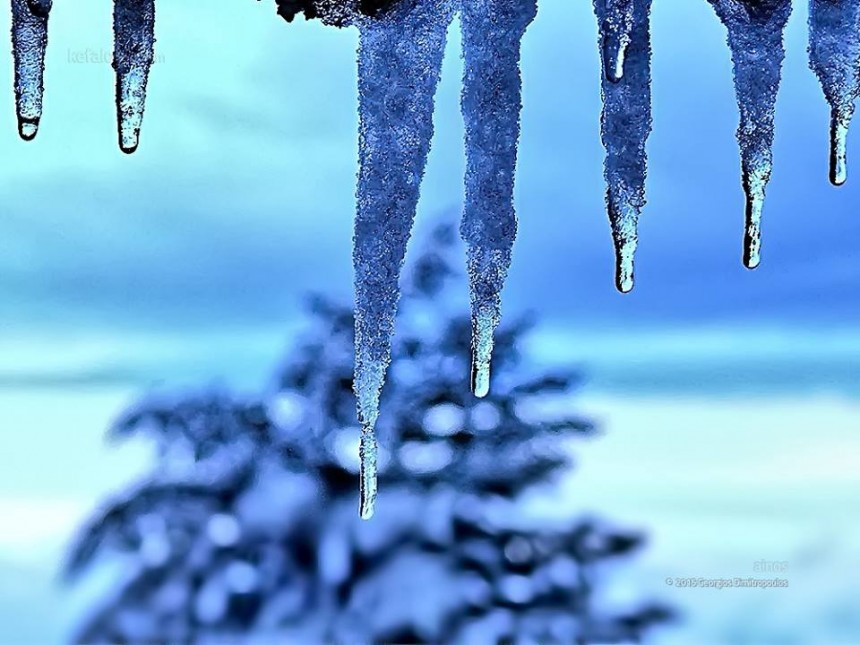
834, 56
399, 60
625, 121
755, 38
134, 52
29, 41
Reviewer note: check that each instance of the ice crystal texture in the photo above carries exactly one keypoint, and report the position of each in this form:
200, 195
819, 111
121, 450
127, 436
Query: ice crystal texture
29, 41
755, 37
625, 44
491, 103
834, 55
399, 61
134, 52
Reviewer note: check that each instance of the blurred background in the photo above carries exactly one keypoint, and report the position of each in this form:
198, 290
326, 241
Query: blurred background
728, 402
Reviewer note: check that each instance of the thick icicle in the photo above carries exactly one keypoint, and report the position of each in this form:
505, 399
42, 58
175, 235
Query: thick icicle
29, 41
134, 52
491, 104
399, 61
625, 122
755, 37
834, 55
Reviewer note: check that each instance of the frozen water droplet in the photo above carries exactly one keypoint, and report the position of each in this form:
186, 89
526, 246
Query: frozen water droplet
755, 37
29, 42
28, 129
625, 125
134, 53
399, 61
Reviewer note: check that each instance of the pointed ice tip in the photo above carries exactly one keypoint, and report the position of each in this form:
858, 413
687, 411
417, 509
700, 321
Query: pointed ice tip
838, 150
752, 235
624, 284
480, 379
624, 281
838, 175
367, 473
28, 129
128, 143
366, 508
752, 249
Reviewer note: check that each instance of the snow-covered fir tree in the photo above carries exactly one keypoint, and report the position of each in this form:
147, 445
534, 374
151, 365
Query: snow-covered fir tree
245, 527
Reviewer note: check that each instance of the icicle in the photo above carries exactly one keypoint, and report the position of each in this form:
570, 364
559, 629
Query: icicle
399, 61
134, 45
29, 41
834, 56
755, 37
625, 122
491, 103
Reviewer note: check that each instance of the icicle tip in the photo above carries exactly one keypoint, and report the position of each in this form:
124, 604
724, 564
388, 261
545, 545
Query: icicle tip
624, 276
129, 143
838, 150
28, 128
480, 378
367, 474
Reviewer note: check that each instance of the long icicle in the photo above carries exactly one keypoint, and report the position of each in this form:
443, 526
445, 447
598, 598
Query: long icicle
625, 122
29, 42
134, 53
491, 105
755, 37
399, 62
834, 56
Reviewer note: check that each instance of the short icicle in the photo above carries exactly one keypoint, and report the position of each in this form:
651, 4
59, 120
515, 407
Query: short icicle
399, 62
29, 42
625, 124
491, 105
755, 38
834, 56
134, 53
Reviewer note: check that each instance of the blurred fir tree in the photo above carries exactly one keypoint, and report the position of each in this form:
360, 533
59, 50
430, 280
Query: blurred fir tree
247, 526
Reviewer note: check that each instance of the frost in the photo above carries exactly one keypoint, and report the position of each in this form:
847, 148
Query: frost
491, 104
399, 61
134, 44
625, 43
755, 37
834, 56
29, 41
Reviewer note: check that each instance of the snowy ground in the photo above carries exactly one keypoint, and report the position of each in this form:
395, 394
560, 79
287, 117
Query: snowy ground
719, 480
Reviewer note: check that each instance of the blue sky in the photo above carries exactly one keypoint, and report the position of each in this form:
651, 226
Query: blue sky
241, 196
